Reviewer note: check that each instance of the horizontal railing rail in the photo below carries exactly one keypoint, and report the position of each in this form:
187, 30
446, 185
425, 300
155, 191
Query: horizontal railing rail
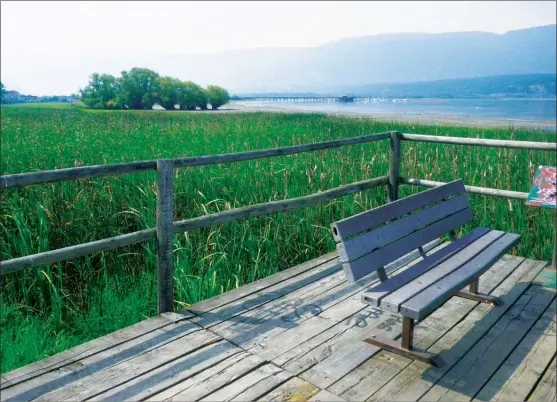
166, 227
480, 142
66, 253
87, 172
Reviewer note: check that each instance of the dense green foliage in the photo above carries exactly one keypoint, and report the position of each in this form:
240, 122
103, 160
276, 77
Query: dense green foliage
141, 88
217, 96
52, 308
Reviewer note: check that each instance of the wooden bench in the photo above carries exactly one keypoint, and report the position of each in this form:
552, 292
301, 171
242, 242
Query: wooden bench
370, 240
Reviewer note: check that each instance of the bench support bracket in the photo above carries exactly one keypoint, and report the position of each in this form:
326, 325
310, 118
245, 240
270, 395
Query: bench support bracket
406, 347
473, 294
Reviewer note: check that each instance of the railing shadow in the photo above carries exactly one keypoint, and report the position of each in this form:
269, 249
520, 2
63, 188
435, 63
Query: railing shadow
287, 314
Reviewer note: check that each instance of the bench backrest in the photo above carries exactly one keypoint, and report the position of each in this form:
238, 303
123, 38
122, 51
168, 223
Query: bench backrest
372, 239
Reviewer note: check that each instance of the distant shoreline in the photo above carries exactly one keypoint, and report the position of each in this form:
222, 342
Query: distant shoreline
466, 121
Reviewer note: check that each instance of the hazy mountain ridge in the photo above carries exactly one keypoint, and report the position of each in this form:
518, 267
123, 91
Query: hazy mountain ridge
501, 86
349, 63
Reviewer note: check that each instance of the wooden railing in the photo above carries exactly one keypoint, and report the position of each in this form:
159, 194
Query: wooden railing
166, 227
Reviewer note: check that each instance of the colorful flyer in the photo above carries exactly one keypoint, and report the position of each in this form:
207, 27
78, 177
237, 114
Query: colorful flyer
544, 189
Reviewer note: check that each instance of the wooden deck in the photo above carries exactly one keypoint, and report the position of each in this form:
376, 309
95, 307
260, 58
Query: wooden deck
297, 336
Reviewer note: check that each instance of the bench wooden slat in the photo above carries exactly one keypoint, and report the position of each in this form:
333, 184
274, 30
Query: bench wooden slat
369, 263
375, 295
425, 302
393, 301
365, 243
345, 228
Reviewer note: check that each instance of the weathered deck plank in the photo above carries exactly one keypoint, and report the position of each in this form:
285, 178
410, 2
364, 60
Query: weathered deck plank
115, 375
518, 375
334, 359
91, 364
255, 327
88, 349
254, 287
417, 378
303, 342
468, 376
294, 389
547, 388
208, 381
245, 382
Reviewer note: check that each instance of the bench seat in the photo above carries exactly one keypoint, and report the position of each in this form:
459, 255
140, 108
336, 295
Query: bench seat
428, 284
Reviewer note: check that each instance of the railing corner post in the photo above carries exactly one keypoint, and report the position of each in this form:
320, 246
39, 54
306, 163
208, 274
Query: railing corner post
165, 235
394, 166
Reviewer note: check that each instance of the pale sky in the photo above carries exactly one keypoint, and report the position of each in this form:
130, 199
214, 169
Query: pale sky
52, 47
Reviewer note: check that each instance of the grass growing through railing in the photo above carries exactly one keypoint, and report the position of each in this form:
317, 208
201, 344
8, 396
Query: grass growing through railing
49, 309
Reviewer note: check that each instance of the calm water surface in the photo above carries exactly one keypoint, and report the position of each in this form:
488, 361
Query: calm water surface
519, 109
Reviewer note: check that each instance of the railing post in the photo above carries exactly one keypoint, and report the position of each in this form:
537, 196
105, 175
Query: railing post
394, 166
165, 234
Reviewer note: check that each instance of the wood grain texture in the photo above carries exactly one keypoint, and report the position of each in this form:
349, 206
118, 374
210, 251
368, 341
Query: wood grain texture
480, 142
331, 361
432, 297
374, 295
94, 364
359, 246
119, 339
519, 374
124, 371
429, 279
80, 250
546, 389
367, 264
253, 287
474, 369
513, 195
165, 236
345, 228
415, 380
295, 390
207, 381
394, 166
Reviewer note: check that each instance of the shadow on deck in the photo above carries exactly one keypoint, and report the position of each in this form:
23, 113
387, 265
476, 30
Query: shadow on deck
298, 335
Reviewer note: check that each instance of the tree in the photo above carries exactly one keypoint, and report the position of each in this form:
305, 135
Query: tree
217, 96
169, 92
191, 96
102, 92
140, 88
3, 90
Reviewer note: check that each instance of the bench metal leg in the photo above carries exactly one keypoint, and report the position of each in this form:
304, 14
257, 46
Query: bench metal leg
406, 347
473, 294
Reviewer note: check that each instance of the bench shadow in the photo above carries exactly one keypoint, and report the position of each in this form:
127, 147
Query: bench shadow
506, 367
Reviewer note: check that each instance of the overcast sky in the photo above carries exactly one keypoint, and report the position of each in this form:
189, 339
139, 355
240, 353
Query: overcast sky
52, 47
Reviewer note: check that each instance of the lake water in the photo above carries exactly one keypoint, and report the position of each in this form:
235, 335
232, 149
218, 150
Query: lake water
543, 111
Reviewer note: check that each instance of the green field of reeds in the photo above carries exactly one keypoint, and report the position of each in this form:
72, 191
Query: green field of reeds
52, 308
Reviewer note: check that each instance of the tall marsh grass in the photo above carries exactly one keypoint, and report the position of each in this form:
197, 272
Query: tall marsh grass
52, 308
